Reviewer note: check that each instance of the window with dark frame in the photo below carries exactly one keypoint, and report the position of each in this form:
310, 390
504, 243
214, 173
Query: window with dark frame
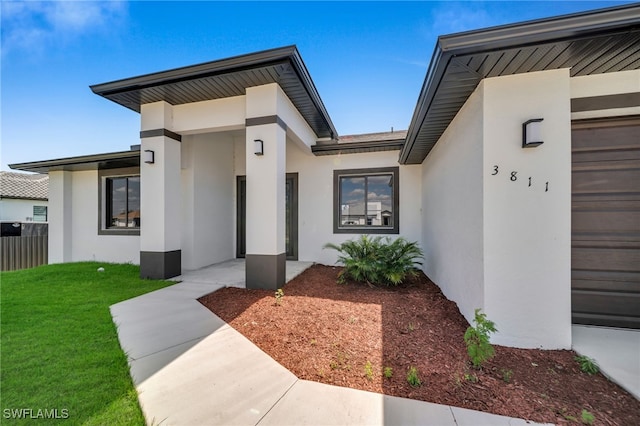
366, 201
122, 202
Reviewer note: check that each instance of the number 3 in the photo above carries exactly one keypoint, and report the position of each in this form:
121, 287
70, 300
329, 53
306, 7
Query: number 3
495, 171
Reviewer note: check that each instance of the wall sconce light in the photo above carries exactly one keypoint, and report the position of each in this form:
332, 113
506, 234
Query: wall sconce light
258, 147
532, 133
148, 156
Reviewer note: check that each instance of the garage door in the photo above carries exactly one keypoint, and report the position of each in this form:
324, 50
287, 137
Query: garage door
605, 255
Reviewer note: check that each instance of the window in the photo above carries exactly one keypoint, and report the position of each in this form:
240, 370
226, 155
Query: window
119, 202
123, 202
366, 201
39, 213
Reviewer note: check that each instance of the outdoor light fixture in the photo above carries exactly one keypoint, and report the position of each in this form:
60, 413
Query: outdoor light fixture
148, 156
532, 133
258, 147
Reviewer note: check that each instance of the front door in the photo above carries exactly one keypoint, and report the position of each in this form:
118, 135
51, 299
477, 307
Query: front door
291, 216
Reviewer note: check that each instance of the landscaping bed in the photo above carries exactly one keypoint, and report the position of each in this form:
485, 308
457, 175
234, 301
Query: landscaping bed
349, 334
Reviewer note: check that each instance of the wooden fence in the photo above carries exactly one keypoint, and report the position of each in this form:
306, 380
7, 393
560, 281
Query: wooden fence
23, 252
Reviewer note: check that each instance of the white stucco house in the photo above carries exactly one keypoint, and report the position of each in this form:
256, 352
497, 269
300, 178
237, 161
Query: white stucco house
239, 158
23, 197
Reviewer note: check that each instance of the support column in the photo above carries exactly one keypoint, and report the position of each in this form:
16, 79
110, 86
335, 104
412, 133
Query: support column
60, 219
265, 219
160, 204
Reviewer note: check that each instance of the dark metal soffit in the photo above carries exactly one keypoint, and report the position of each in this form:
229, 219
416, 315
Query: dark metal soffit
111, 160
357, 147
601, 41
226, 78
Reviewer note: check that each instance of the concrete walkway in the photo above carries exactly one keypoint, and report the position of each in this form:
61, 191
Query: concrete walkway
615, 350
190, 368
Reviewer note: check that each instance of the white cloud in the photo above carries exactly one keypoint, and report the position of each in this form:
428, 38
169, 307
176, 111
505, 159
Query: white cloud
35, 26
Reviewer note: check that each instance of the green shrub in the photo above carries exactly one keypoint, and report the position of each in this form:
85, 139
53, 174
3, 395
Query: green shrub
368, 370
587, 417
477, 339
587, 365
388, 372
377, 260
279, 295
412, 377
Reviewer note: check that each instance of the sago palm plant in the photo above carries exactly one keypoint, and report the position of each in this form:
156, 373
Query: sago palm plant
375, 260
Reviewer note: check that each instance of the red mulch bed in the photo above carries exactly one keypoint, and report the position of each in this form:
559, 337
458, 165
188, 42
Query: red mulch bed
327, 332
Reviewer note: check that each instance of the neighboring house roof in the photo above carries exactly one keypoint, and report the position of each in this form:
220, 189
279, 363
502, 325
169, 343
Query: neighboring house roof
606, 40
109, 160
369, 142
24, 186
226, 78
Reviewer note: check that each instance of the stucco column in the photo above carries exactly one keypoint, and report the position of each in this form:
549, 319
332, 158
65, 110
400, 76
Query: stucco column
60, 219
160, 195
265, 219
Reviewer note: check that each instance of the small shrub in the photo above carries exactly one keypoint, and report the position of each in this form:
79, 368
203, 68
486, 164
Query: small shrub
377, 260
587, 417
412, 377
477, 339
368, 370
471, 378
587, 365
279, 296
506, 375
388, 372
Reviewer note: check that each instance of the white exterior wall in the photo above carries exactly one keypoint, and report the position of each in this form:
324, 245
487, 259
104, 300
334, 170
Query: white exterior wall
60, 216
497, 243
315, 198
452, 209
160, 183
19, 210
527, 230
86, 244
208, 202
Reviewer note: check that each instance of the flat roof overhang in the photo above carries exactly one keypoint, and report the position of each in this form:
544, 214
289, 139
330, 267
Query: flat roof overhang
111, 160
594, 42
226, 78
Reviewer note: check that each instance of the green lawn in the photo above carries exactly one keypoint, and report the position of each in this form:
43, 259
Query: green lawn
59, 347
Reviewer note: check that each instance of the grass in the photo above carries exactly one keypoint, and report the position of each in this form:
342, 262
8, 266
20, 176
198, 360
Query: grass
60, 348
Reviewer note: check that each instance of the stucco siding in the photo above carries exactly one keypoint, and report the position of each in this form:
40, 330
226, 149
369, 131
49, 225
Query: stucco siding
315, 180
208, 206
527, 210
452, 211
60, 216
86, 244
17, 210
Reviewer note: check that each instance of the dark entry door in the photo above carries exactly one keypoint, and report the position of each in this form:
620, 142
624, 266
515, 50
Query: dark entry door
291, 216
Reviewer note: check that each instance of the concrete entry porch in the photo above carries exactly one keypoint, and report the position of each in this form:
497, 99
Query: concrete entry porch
231, 273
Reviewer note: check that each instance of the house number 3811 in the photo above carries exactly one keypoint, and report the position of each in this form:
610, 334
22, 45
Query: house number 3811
513, 177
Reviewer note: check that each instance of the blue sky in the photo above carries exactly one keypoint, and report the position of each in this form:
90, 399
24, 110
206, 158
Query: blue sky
367, 59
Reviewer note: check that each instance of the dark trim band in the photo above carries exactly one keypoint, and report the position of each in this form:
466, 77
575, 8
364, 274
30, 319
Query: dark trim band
594, 103
269, 119
265, 271
159, 265
160, 132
